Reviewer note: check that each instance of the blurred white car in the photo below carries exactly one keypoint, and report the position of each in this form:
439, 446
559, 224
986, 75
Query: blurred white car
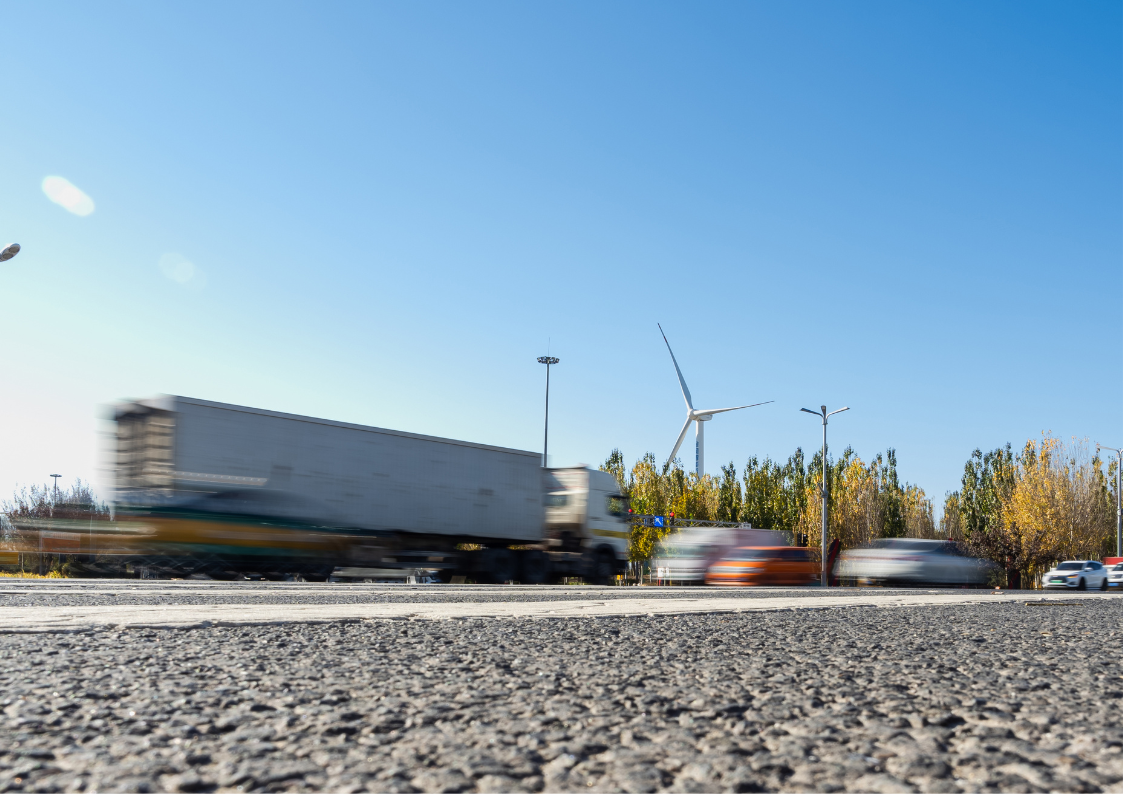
683, 557
1077, 575
1115, 575
909, 562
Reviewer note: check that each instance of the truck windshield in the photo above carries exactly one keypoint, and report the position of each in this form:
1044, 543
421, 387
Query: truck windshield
617, 505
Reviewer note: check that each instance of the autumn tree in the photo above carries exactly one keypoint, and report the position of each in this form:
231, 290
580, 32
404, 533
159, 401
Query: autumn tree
1026, 510
867, 501
31, 507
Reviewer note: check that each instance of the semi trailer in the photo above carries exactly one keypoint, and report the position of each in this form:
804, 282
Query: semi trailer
207, 487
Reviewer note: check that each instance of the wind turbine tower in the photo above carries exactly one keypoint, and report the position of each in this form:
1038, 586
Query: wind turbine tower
698, 417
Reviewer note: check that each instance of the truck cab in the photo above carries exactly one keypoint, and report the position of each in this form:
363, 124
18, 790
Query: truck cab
588, 531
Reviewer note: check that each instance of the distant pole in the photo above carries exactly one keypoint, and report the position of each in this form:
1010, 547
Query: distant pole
547, 360
1118, 503
824, 490
56, 476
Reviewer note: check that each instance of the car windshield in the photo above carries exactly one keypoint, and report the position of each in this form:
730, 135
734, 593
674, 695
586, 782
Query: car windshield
1070, 566
1118, 567
912, 546
682, 551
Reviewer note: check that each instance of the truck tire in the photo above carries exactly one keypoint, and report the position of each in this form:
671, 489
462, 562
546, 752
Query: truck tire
499, 565
535, 567
603, 569
316, 574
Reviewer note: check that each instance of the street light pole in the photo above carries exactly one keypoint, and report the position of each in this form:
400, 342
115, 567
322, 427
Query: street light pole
824, 490
1118, 503
56, 476
547, 360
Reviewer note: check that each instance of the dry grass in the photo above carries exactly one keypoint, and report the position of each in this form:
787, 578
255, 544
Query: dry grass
19, 575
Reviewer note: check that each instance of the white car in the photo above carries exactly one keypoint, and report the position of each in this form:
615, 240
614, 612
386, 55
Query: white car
1077, 575
910, 562
1115, 575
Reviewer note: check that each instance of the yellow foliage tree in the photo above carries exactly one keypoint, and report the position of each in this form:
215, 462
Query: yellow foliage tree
866, 500
1049, 502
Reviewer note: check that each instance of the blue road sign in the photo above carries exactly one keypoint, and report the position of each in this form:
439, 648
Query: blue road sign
657, 520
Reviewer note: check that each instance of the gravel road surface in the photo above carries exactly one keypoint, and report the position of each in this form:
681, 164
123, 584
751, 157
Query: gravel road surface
164, 608
80, 592
992, 696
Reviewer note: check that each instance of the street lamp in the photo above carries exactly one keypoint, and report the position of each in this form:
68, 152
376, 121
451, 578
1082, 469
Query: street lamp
1118, 504
56, 476
547, 360
8, 252
822, 412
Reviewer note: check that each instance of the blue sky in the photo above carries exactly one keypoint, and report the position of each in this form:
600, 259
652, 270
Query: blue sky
390, 210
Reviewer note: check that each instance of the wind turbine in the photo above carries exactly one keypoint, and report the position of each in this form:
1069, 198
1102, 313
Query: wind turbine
696, 416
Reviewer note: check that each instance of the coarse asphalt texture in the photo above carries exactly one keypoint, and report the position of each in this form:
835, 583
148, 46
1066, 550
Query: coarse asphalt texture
84, 606
81, 592
1008, 695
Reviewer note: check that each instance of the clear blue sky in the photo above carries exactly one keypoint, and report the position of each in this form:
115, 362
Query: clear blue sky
391, 209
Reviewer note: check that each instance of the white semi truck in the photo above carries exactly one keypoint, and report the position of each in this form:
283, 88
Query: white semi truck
224, 489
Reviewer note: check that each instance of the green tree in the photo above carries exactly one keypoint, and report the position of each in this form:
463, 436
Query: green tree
986, 486
614, 465
890, 498
729, 495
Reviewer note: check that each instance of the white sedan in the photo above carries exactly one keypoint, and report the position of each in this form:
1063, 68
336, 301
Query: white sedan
1077, 575
1115, 575
911, 562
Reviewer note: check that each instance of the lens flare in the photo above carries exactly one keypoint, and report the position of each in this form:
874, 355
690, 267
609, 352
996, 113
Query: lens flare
181, 270
71, 198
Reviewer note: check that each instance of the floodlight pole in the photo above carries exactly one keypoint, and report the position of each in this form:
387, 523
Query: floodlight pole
547, 360
1118, 503
824, 490
56, 476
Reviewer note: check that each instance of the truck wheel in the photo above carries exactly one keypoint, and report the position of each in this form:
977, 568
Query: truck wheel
316, 574
535, 567
499, 565
603, 568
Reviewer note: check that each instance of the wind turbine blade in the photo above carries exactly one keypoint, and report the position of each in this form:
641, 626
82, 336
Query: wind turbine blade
681, 382
681, 436
723, 410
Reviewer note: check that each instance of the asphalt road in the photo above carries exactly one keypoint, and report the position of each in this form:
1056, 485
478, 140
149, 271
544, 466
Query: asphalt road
35, 606
990, 696
71, 592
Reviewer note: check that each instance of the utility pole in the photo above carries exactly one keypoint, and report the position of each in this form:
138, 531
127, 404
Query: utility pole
547, 360
1118, 503
56, 476
824, 490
